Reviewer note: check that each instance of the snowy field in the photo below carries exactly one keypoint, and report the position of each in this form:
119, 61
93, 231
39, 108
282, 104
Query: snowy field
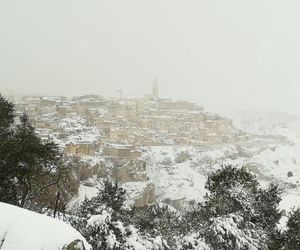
26, 230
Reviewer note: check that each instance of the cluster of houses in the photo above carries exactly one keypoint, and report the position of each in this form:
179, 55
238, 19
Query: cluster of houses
120, 127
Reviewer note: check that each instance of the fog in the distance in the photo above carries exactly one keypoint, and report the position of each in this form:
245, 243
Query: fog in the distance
225, 55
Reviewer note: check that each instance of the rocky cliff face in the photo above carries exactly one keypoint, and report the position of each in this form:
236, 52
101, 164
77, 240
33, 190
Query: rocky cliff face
75, 245
139, 194
147, 196
129, 171
133, 175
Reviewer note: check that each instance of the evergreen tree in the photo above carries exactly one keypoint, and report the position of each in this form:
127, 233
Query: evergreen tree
8, 192
31, 171
292, 235
113, 195
107, 206
266, 204
231, 190
155, 221
268, 213
236, 213
7, 114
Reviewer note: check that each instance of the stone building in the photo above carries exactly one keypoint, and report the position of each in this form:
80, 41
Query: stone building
79, 148
122, 151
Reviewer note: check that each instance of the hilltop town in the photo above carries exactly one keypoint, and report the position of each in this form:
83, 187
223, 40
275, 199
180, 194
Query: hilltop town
119, 127
154, 147
159, 151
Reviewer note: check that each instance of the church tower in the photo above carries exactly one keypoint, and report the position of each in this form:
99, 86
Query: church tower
155, 88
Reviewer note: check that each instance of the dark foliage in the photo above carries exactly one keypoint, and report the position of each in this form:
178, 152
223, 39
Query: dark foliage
109, 199
291, 240
31, 171
229, 188
157, 220
235, 194
6, 114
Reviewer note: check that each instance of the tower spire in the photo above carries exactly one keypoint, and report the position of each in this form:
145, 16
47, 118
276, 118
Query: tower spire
155, 88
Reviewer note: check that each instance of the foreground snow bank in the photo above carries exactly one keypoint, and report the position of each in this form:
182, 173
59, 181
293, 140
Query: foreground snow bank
26, 230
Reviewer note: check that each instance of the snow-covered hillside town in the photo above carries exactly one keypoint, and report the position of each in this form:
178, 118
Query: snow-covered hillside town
161, 150
83, 125
149, 125
161, 154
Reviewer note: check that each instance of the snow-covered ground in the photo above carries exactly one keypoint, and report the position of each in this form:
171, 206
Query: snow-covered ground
179, 181
290, 161
179, 173
280, 160
26, 230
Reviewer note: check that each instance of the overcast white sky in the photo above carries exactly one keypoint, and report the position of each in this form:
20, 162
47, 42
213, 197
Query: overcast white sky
225, 55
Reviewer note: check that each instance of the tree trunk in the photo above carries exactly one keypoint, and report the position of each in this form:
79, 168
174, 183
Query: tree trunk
56, 204
24, 196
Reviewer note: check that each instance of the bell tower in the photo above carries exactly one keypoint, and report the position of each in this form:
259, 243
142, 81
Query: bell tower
155, 88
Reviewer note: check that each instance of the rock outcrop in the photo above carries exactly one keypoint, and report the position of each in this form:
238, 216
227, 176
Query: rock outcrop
140, 194
146, 197
129, 171
75, 245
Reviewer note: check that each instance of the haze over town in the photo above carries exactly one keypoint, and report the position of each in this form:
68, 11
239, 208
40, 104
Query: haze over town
222, 55
149, 125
